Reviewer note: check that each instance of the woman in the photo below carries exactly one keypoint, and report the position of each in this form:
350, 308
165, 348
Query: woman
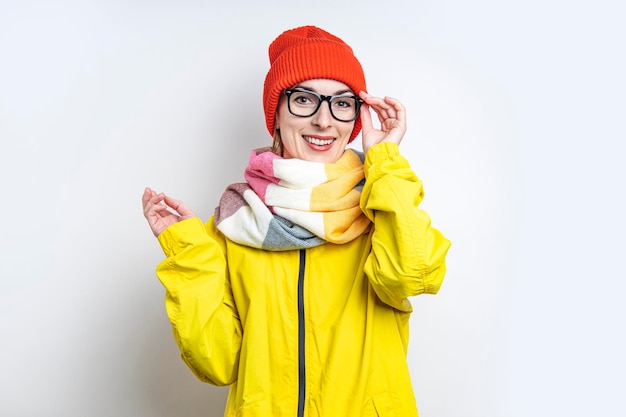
295, 293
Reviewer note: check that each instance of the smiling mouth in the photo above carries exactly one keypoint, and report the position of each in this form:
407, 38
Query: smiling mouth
318, 142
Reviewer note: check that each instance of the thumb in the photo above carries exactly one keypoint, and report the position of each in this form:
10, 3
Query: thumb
181, 208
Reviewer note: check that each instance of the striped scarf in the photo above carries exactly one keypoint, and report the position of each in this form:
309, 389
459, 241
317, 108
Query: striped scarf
293, 204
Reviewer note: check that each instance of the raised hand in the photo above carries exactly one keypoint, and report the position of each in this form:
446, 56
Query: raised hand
392, 118
162, 211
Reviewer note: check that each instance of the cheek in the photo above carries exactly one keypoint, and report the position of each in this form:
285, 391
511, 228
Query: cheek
347, 132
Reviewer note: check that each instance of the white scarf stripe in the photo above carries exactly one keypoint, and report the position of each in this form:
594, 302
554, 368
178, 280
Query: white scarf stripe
277, 196
290, 172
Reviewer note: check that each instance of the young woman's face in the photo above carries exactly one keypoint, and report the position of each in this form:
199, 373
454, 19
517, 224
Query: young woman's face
319, 137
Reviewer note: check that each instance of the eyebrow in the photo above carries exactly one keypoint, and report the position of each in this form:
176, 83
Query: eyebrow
337, 93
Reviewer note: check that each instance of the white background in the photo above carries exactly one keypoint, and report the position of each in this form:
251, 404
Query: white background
516, 124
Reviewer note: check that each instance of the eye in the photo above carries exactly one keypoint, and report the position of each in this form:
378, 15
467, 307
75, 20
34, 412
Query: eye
303, 98
343, 103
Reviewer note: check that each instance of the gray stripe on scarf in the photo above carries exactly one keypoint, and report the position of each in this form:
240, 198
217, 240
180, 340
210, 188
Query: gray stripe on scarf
285, 235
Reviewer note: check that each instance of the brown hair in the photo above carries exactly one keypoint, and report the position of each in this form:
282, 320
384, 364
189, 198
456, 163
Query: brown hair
277, 144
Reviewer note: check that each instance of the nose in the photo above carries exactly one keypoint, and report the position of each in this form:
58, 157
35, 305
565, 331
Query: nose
322, 118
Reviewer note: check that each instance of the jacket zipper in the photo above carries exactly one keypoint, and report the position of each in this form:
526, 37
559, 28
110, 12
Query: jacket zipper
301, 361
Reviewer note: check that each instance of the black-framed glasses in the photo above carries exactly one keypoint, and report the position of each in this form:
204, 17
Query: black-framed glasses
305, 103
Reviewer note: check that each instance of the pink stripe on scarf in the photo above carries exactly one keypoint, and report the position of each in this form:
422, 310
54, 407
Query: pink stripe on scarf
260, 171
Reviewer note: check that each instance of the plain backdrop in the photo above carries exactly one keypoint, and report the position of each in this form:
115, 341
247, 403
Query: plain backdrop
516, 123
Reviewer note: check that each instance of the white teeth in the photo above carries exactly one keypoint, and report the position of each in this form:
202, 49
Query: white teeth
318, 142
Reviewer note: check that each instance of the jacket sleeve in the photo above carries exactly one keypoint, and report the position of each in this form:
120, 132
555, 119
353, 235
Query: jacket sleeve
199, 301
408, 255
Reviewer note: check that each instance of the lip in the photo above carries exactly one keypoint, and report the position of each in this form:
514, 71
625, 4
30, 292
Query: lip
319, 146
319, 137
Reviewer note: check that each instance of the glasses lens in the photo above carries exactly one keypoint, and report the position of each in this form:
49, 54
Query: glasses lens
344, 108
305, 103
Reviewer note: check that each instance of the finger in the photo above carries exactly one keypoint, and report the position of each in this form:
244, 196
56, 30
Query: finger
382, 116
389, 109
155, 201
180, 207
146, 196
376, 102
383, 110
392, 114
399, 112
157, 198
398, 108
163, 209
155, 213
172, 202
388, 105
366, 118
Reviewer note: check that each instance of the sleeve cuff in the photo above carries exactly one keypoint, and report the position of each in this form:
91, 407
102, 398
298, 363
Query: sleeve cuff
381, 152
178, 236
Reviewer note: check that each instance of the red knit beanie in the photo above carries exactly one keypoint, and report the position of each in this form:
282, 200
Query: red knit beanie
305, 53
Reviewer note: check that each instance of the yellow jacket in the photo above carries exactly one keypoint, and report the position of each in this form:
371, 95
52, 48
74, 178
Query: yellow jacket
314, 332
